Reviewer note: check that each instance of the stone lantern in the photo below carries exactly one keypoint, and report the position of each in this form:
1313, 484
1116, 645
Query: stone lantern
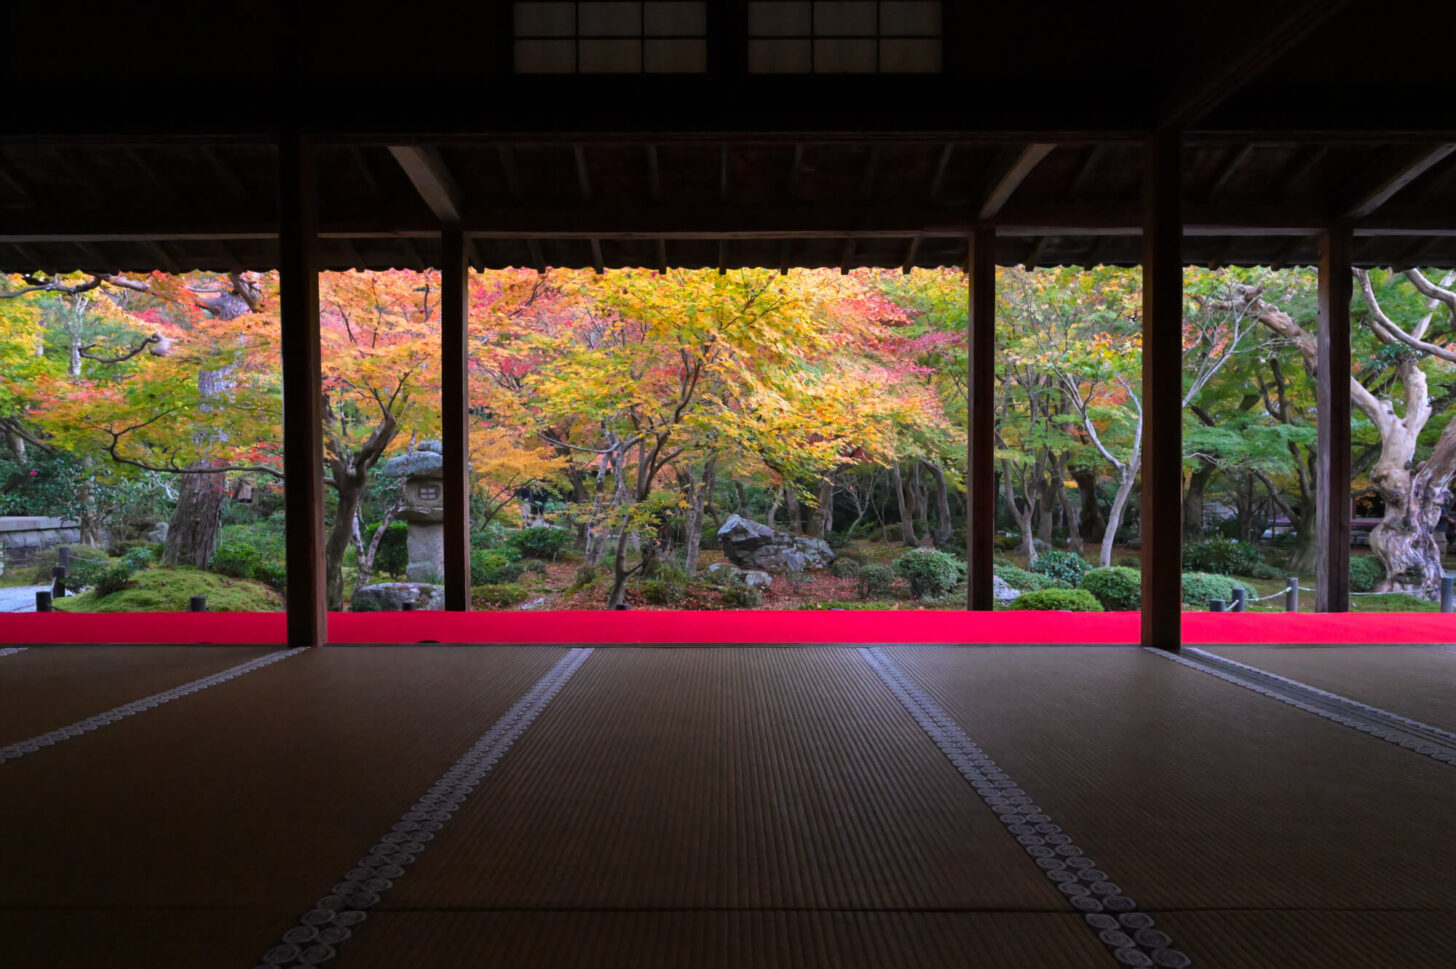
424, 508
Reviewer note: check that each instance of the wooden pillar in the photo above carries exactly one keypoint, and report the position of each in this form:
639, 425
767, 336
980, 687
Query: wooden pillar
981, 420
1332, 421
455, 417
303, 496
1162, 465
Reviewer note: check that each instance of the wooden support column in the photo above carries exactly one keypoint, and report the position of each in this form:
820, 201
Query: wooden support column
303, 496
1162, 464
1332, 421
981, 420
455, 417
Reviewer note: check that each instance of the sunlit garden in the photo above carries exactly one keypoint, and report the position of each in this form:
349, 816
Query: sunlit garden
705, 440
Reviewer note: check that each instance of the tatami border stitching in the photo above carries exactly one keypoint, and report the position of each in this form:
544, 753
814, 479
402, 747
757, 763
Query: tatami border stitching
1131, 934
314, 940
1370, 724
12, 650
17, 750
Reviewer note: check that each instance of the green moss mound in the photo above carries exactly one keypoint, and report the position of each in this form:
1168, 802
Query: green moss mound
1074, 600
169, 589
1118, 589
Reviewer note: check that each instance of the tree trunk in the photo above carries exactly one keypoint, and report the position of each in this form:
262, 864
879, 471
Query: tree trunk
821, 518
338, 539
1046, 507
698, 490
1114, 517
1092, 521
1022, 517
792, 510
943, 527
1405, 540
907, 526
1070, 516
1193, 500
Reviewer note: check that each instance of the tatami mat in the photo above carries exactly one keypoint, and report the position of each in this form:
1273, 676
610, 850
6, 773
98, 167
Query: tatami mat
47, 687
1413, 681
251, 798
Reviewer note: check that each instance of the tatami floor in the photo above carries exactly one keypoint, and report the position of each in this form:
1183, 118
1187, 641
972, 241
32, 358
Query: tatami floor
907, 806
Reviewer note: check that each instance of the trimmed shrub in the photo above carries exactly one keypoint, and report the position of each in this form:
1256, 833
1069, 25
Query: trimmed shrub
1118, 589
366, 604
1200, 587
1072, 600
931, 574
1057, 564
541, 543
1365, 572
393, 554
235, 559
742, 597
493, 535
111, 580
663, 592
1222, 556
498, 596
139, 558
843, 568
875, 581
1025, 581
494, 566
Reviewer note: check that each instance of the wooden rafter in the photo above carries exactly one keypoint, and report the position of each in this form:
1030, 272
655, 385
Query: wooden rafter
1366, 200
1010, 177
433, 181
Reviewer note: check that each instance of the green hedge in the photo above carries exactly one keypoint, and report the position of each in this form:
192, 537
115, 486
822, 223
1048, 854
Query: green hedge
1222, 556
1074, 600
875, 581
1200, 587
1028, 581
931, 574
1119, 589
1067, 566
1365, 572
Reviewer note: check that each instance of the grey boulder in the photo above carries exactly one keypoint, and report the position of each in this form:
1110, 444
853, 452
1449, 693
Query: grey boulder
751, 545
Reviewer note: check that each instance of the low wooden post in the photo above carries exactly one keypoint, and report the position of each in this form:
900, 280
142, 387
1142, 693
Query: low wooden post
1162, 466
1332, 425
981, 417
303, 496
454, 415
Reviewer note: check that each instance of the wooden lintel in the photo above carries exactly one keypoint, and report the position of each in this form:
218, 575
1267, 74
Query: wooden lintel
436, 185
1011, 177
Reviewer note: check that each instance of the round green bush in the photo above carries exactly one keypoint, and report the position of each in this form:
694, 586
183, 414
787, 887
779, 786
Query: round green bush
663, 592
1365, 572
541, 543
1200, 587
931, 574
1119, 589
875, 580
1222, 556
1073, 600
494, 566
844, 568
1057, 564
742, 597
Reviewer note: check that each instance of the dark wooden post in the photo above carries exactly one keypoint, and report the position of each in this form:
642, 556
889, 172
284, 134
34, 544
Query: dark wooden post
454, 417
1332, 421
1162, 466
303, 497
981, 420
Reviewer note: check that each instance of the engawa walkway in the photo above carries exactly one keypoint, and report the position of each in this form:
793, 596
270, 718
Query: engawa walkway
907, 806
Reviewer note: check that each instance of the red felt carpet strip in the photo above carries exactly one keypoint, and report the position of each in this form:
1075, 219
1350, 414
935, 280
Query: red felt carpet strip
1131, 934
1413, 735
315, 939
17, 750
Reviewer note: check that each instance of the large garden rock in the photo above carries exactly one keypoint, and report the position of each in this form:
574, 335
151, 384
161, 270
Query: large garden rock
392, 596
1001, 590
753, 578
751, 545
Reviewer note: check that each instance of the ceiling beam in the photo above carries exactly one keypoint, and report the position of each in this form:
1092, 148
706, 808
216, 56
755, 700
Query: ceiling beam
1010, 177
1389, 182
437, 187
1261, 45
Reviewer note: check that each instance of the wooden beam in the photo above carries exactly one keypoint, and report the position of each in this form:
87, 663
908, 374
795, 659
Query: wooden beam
583, 177
1012, 174
846, 256
454, 415
662, 256
1332, 425
303, 497
1085, 169
1038, 249
1392, 181
437, 187
366, 173
785, 249
981, 415
654, 175
1232, 163
1162, 406
1286, 252
722, 257
596, 256
911, 250
1260, 45
165, 262
942, 165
